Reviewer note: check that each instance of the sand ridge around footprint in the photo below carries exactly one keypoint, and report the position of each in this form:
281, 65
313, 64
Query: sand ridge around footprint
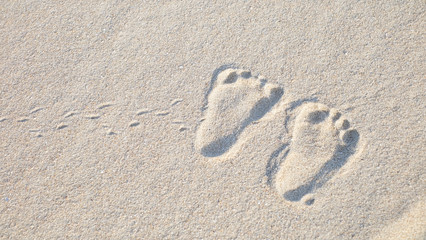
236, 100
321, 144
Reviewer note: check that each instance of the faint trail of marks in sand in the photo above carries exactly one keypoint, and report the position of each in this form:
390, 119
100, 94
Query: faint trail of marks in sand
97, 114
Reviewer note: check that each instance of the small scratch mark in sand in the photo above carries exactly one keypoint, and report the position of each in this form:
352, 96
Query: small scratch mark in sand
177, 121
134, 123
36, 109
111, 132
163, 113
93, 116
105, 105
183, 128
143, 111
61, 126
22, 119
176, 101
69, 114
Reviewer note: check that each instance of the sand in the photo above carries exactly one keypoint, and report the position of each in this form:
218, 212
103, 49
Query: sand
212, 120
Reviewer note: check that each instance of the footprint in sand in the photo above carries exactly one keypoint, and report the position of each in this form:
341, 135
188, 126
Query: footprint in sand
236, 100
321, 144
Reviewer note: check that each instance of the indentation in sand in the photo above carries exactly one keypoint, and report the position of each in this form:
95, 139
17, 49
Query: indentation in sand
70, 114
236, 100
143, 111
93, 116
22, 119
322, 143
176, 101
105, 105
162, 113
134, 123
61, 126
36, 109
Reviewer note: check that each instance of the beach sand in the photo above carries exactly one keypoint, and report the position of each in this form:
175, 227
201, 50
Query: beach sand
212, 120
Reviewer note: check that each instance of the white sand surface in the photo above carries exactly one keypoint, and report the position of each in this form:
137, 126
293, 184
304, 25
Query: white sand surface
116, 123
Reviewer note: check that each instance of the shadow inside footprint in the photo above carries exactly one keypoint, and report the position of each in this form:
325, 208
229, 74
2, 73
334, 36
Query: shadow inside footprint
340, 157
263, 106
223, 144
219, 146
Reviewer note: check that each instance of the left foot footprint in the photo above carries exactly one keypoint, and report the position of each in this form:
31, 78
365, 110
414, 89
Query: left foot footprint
237, 100
322, 143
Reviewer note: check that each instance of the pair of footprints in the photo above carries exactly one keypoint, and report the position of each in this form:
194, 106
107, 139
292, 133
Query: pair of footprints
322, 140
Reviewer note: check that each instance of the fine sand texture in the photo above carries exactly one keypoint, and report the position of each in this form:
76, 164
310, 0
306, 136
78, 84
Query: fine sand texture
212, 119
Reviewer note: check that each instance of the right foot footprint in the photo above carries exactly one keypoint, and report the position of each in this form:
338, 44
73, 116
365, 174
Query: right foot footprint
237, 100
322, 143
